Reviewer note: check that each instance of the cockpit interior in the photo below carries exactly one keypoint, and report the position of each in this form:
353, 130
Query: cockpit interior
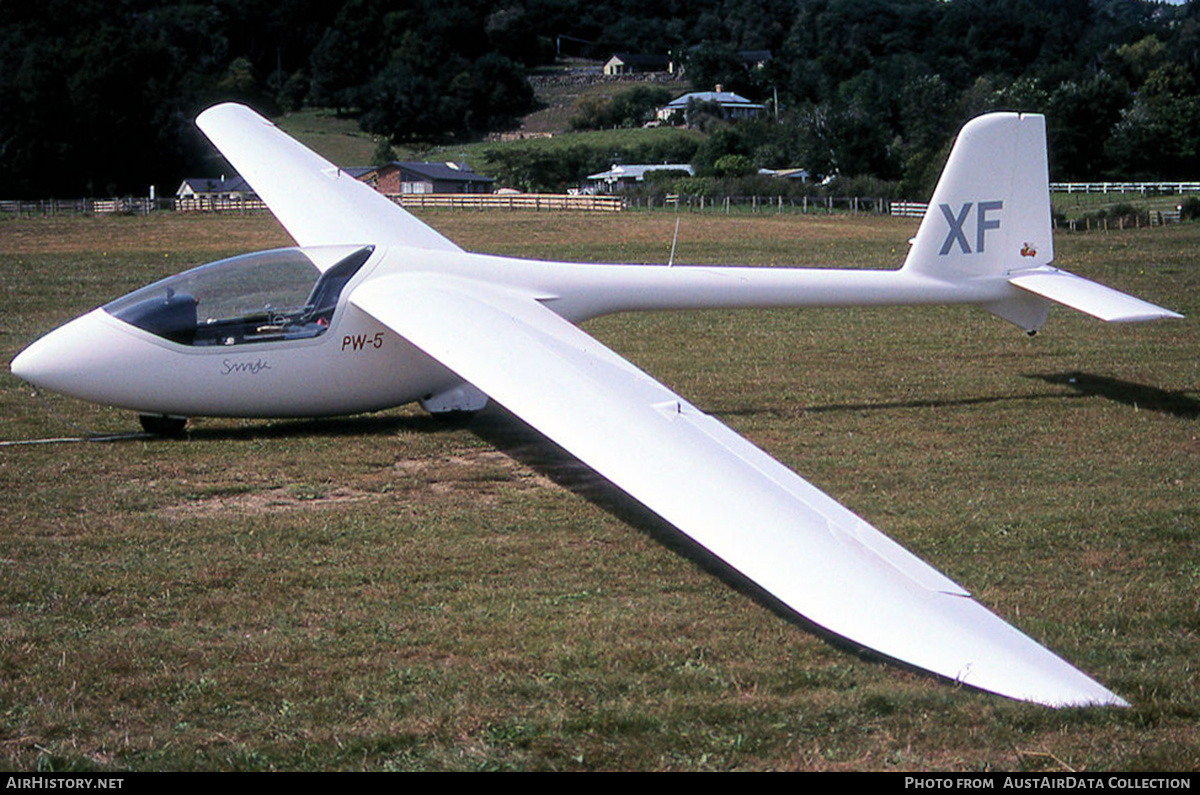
267, 296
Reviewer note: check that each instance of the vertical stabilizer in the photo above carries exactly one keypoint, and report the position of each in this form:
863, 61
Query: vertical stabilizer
990, 213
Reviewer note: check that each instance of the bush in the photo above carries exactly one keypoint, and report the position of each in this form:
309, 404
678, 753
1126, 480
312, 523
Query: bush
1189, 208
630, 108
665, 176
734, 166
1122, 210
697, 186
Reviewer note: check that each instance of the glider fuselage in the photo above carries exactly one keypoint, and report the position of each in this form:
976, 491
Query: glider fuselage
269, 366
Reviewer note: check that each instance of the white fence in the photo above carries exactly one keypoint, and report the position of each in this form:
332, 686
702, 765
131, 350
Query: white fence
513, 201
908, 209
829, 205
1140, 188
201, 204
195, 204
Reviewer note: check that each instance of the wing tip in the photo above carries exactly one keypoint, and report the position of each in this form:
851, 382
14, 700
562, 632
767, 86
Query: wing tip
1067, 688
1088, 701
224, 110
1160, 314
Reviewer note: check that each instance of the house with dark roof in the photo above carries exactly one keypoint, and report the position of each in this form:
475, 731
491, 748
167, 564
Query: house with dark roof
399, 177
211, 188
627, 63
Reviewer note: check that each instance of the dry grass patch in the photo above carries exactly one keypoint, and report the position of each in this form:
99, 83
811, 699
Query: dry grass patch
284, 498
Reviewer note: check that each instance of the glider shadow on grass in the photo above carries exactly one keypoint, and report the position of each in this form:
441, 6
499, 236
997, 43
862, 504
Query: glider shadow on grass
1177, 403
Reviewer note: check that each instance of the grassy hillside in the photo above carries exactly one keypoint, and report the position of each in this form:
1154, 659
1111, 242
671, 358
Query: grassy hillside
560, 98
339, 140
342, 142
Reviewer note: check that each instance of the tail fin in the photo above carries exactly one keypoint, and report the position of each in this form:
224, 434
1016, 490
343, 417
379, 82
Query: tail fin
990, 212
990, 218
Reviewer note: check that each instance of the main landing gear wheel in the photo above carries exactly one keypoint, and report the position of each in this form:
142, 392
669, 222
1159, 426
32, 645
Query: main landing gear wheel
160, 425
453, 419
456, 405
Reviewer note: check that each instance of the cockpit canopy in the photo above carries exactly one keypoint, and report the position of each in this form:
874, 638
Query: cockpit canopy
262, 297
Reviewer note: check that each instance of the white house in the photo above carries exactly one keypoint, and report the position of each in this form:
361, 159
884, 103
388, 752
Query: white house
619, 176
731, 106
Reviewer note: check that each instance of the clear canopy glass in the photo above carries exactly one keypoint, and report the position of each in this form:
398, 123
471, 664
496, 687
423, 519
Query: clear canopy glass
266, 296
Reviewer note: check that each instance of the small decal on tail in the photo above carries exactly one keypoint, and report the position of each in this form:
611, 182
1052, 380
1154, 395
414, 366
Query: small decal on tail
1028, 250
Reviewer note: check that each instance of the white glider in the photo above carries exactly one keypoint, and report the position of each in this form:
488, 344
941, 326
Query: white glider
378, 310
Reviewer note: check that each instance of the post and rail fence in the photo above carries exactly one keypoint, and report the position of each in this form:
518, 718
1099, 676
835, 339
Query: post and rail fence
420, 201
851, 205
1140, 188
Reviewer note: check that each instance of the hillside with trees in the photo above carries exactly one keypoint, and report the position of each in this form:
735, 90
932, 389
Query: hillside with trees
97, 97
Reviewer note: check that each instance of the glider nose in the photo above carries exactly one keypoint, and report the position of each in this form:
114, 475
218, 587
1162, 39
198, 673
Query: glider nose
33, 364
65, 360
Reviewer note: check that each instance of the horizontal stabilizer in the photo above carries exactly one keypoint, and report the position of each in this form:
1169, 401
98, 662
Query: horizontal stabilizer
1088, 296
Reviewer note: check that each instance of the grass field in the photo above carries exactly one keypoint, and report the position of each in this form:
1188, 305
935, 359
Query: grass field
381, 592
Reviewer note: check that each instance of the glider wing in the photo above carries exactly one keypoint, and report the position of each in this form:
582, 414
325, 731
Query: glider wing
800, 545
317, 202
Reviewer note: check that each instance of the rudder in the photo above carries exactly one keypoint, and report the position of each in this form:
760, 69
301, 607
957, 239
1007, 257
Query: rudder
990, 213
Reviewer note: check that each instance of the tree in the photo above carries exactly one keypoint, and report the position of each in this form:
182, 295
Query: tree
1158, 136
734, 166
1080, 118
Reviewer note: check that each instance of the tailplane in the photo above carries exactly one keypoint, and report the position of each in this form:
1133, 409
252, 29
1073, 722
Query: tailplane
989, 219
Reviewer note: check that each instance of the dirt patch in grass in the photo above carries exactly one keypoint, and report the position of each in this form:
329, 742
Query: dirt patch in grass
277, 500
475, 474
471, 475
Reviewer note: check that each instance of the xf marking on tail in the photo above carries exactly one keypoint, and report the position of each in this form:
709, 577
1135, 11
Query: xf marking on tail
956, 222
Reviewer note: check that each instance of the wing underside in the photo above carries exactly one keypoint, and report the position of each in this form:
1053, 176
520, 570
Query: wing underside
797, 543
